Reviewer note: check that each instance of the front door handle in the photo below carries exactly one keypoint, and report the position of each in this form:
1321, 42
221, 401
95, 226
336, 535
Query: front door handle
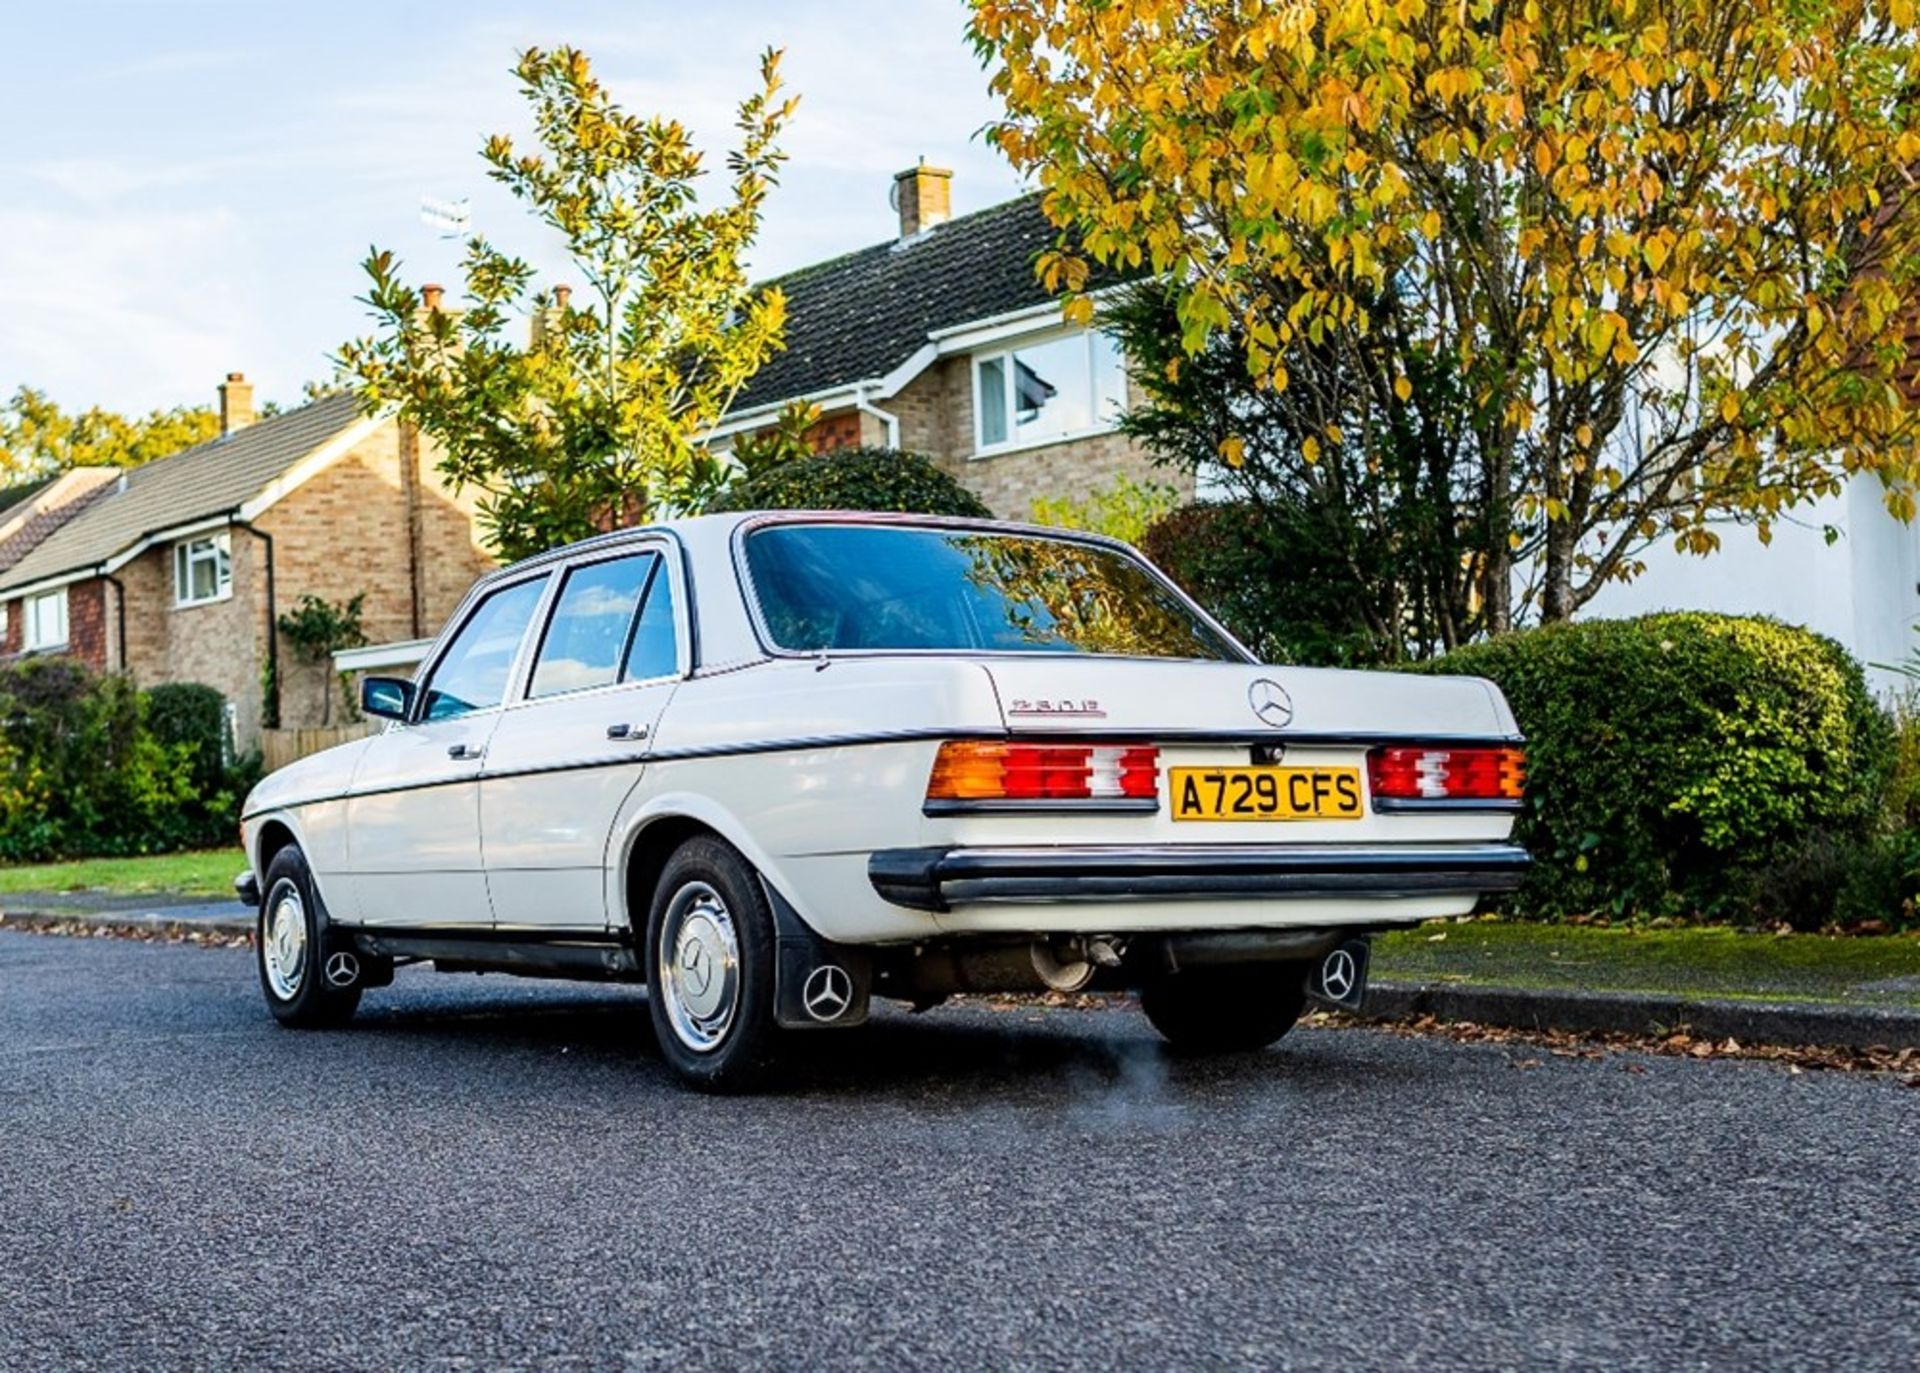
465, 753
633, 733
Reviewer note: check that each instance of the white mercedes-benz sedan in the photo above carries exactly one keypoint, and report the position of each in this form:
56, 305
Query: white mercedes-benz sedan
772, 765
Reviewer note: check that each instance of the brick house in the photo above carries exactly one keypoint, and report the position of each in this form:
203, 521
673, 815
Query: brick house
31, 511
177, 571
944, 342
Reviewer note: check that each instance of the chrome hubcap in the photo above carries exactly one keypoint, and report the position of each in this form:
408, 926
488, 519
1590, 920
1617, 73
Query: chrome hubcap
699, 962
283, 941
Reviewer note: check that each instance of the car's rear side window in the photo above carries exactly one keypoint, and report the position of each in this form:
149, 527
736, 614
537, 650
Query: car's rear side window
852, 586
472, 674
655, 651
592, 622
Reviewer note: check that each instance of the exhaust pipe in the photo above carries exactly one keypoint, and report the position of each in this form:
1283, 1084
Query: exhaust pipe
1059, 965
1059, 968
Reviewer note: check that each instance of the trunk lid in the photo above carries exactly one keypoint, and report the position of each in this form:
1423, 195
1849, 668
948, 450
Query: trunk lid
1088, 696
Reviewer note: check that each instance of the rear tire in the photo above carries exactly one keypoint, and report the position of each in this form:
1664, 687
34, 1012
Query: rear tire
710, 955
1226, 1010
290, 950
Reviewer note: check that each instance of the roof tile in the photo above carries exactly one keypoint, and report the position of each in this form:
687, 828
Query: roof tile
196, 483
856, 318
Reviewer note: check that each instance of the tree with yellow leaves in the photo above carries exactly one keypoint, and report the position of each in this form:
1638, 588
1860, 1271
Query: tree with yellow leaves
1665, 245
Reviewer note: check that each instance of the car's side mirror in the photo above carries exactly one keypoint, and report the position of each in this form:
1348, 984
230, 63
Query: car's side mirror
390, 698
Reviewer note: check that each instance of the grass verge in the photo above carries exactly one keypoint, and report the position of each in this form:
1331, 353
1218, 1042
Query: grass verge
206, 873
1722, 963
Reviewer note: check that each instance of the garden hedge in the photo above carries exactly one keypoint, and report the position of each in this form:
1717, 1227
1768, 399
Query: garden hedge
854, 479
1692, 765
194, 717
90, 765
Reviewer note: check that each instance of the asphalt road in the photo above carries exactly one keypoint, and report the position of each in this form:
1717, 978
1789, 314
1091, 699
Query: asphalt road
491, 1173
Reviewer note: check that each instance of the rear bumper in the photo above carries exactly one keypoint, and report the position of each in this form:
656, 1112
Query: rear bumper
940, 878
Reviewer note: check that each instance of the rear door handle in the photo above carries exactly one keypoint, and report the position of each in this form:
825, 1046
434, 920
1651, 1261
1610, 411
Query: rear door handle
465, 752
630, 732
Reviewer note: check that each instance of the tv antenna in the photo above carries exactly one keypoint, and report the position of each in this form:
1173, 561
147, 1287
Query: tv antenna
452, 218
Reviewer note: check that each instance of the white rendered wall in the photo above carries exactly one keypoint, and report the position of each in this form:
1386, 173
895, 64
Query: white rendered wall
1859, 590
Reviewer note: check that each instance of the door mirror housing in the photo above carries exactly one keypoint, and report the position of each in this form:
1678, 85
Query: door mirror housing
390, 698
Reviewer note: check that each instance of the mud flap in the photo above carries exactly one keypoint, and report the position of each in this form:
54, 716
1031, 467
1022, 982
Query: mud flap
817, 985
1340, 977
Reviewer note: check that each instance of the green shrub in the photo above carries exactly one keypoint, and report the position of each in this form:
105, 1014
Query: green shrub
1125, 510
853, 479
194, 717
1692, 765
1265, 574
191, 719
80, 772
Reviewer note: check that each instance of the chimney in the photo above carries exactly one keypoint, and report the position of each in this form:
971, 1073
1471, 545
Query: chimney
430, 297
547, 320
236, 403
924, 197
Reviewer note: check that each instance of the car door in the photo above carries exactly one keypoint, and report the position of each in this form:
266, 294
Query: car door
564, 757
413, 811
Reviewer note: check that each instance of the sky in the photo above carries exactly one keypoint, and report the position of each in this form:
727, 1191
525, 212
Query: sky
189, 188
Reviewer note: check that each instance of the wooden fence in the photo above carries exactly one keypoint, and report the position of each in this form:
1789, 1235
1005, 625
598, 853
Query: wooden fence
278, 747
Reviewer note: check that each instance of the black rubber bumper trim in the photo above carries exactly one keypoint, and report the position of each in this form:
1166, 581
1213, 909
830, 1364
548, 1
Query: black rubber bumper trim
936, 879
246, 889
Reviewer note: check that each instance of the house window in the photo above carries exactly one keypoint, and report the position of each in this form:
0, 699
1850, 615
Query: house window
203, 570
45, 625
1059, 389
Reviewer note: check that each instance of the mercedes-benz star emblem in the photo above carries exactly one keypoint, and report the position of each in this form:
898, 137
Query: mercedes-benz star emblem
1338, 974
827, 993
694, 966
343, 969
1270, 702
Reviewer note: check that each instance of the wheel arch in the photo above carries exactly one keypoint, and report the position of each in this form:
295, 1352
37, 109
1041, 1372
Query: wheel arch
653, 833
273, 834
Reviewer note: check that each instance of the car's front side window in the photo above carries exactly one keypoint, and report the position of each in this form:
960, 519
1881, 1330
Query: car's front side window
592, 625
472, 674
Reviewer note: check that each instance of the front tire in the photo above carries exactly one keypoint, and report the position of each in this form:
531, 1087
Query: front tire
289, 943
710, 969
1226, 1010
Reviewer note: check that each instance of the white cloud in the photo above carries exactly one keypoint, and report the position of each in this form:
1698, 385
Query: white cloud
120, 310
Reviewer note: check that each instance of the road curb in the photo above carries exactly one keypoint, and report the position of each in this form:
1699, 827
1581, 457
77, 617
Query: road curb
157, 923
1750, 1022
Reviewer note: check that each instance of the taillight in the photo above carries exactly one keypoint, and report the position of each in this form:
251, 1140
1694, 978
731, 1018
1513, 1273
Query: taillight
1447, 774
975, 770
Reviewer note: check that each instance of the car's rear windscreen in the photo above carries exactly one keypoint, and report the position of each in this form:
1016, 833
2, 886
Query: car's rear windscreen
877, 587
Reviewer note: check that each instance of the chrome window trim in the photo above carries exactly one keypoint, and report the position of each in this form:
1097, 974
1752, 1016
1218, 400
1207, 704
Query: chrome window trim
543, 564
681, 653
756, 617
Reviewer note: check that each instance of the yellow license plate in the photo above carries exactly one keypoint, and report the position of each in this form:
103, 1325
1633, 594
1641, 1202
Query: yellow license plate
1271, 793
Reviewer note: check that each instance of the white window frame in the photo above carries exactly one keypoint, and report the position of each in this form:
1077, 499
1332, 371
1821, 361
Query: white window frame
1014, 444
218, 548
30, 621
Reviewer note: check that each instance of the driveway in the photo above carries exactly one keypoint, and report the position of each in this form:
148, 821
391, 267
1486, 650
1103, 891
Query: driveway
484, 1172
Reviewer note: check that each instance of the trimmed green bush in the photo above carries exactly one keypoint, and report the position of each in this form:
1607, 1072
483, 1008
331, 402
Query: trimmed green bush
90, 766
853, 479
1691, 765
80, 772
194, 717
